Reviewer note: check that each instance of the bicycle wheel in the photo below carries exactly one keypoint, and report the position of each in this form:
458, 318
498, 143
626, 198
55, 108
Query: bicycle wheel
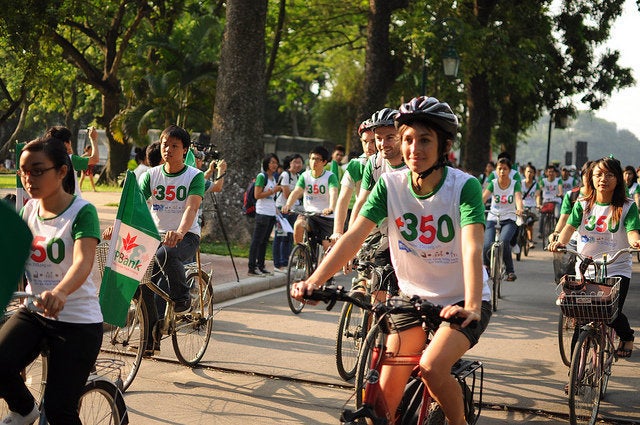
102, 403
608, 358
496, 274
299, 269
365, 365
566, 328
548, 227
585, 380
352, 329
192, 331
126, 345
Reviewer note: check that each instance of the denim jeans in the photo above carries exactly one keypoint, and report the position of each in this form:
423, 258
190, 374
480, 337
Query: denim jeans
507, 231
282, 244
261, 232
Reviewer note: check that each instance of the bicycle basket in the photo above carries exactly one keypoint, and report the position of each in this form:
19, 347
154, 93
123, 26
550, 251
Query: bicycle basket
589, 301
548, 208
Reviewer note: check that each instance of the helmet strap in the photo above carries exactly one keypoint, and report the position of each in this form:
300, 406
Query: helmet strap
426, 173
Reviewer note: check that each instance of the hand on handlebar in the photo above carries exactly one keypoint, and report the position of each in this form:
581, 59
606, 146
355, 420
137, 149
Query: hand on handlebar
556, 246
302, 288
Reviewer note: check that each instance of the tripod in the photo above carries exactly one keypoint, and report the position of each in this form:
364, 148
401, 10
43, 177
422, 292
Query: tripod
224, 233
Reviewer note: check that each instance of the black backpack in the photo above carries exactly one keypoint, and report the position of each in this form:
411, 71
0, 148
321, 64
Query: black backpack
249, 200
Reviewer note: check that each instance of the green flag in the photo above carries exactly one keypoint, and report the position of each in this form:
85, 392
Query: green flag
15, 241
134, 242
190, 159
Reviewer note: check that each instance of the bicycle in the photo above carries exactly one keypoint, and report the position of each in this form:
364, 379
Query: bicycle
521, 236
303, 260
496, 264
548, 220
354, 322
417, 405
592, 303
101, 401
190, 333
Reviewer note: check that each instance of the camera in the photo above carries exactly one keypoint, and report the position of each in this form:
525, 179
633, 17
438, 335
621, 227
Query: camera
208, 150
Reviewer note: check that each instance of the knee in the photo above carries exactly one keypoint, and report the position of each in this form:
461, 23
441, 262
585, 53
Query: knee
434, 374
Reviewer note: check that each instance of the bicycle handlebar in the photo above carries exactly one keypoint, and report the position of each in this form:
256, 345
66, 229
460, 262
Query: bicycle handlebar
601, 261
394, 305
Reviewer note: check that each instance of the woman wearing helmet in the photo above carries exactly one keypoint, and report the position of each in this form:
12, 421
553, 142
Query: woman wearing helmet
436, 226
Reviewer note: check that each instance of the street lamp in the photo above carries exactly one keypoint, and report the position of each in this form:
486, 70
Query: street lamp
561, 119
450, 65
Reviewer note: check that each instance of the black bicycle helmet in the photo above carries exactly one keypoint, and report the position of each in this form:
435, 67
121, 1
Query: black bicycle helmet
435, 113
364, 126
383, 118
430, 110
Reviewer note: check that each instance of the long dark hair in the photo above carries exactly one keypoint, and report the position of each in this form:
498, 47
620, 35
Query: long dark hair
56, 152
613, 166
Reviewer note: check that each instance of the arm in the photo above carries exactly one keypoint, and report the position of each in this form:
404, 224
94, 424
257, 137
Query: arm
519, 205
95, 154
221, 168
173, 237
340, 213
363, 194
485, 195
472, 239
634, 238
292, 198
346, 247
84, 251
333, 197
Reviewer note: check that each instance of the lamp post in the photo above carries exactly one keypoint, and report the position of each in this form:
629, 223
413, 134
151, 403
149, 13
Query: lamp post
561, 119
450, 65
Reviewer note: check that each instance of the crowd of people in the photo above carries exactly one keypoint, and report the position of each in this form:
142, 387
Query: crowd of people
434, 222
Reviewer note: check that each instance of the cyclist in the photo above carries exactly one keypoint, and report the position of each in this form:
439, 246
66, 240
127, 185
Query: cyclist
66, 231
352, 178
320, 190
436, 223
530, 195
631, 181
506, 199
387, 159
568, 181
570, 199
176, 191
599, 218
551, 192
282, 240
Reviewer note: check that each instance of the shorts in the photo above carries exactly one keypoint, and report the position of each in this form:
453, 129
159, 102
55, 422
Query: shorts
404, 321
320, 227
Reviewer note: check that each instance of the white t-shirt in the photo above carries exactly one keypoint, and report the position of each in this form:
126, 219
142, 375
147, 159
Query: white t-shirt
52, 256
425, 232
169, 193
266, 206
316, 190
503, 201
289, 180
550, 190
530, 199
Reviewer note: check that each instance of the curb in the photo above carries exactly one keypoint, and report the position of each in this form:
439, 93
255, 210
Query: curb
232, 290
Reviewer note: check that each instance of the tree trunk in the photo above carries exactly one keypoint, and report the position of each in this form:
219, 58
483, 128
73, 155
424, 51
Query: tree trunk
118, 153
239, 112
381, 68
477, 143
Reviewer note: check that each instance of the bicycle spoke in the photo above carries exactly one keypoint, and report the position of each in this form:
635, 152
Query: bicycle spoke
585, 381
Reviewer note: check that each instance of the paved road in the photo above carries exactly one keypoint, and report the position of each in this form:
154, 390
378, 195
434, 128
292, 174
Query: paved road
266, 366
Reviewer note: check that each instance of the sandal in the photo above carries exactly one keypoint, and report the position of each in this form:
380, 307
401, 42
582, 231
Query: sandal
511, 277
623, 352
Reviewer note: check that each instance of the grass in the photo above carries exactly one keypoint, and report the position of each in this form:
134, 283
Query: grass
238, 250
8, 181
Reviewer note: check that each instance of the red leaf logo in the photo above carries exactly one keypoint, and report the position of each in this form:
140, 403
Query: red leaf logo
128, 243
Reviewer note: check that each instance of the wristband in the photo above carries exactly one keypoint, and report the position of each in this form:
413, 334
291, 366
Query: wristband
221, 176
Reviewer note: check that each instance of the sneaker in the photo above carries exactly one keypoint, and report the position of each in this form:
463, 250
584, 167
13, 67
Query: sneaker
510, 277
516, 249
152, 350
280, 269
265, 271
14, 418
183, 306
255, 272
